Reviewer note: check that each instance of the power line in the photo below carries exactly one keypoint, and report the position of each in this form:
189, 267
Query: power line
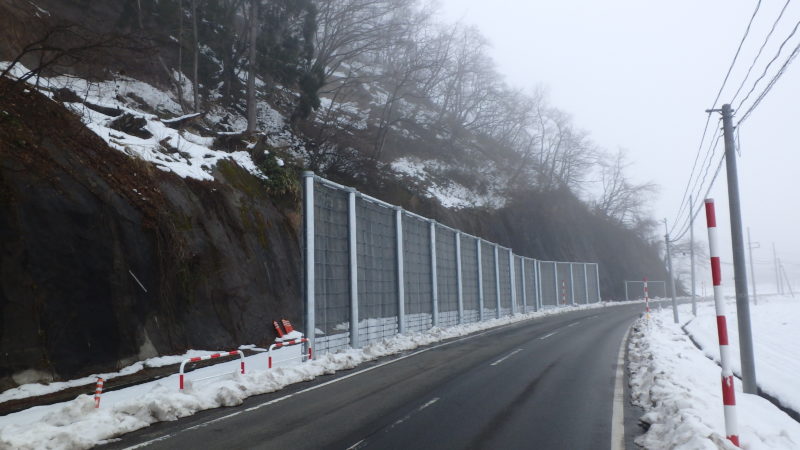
760, 50
736, 56
771, 84
697, 187
700, 204
766, 69
708, 120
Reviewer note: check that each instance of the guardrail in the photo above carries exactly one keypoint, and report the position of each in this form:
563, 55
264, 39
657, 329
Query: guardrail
305, 356
207, 357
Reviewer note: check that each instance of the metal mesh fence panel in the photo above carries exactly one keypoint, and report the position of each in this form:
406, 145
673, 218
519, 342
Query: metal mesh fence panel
591, 276
417, 273
505, 282
331, 269
377, 274
377, 271
657, 289
635, 289
579, 283
564, 284
489, 281
530, 283
549, 291
469, 279
447, 279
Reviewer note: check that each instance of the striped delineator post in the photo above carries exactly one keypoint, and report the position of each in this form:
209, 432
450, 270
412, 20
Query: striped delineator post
728, 394
646, 298
97, 392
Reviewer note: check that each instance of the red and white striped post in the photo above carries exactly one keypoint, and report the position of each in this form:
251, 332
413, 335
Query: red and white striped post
98, 390
646, 298
564, 292
728, 394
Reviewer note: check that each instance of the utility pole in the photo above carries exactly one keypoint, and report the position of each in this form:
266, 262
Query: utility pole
691, 252
750, 247
749, 385
671, 278
778, 285
786, 277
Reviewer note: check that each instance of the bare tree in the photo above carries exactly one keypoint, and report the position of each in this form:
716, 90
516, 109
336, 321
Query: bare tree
620, 199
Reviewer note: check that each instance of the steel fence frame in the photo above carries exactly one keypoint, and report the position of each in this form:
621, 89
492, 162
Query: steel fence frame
436, 275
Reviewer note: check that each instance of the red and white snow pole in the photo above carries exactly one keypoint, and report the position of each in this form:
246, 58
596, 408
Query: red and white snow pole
728, 394
97, 392
646, 298
564, 292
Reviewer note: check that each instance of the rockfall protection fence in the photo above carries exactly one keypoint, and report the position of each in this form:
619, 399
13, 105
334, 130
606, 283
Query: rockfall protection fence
390, 271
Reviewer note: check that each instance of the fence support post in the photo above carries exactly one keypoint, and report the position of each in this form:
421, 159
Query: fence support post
586, 282
572, 283
480, 280
524, 291
597, 280
537, 283
555, 277
497, 280
308, 224
355, 340
401, 283
512, 270
434, 278
459, 280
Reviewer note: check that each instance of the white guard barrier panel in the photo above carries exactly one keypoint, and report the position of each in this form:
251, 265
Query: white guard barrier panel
304, 355
214, 356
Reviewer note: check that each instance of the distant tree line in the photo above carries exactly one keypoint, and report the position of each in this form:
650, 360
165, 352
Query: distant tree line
401, 65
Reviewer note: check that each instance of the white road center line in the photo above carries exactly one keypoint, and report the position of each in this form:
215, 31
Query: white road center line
356, 445
618, 414
573, 324
312, 388
436, 399
506, 357
547, 335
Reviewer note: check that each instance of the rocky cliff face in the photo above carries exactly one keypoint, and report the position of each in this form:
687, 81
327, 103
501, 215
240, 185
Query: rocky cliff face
105, 260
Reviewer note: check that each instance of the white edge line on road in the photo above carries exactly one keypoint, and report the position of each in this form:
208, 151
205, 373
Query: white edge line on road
547, 335
506, 357
573, 324
618, 414
312, 388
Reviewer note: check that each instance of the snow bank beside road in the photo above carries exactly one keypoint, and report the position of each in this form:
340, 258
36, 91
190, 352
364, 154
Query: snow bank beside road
680, 390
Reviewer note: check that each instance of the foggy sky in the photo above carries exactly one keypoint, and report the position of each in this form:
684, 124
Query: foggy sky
640, 75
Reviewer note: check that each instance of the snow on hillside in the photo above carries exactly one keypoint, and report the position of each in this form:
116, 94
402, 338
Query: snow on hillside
680, 387
188, 154
449, 193
76, 424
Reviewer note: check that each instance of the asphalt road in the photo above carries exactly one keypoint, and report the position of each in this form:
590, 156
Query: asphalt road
546, 383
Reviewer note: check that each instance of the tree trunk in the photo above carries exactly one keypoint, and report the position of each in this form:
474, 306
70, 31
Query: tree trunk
251, 76
196, 84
